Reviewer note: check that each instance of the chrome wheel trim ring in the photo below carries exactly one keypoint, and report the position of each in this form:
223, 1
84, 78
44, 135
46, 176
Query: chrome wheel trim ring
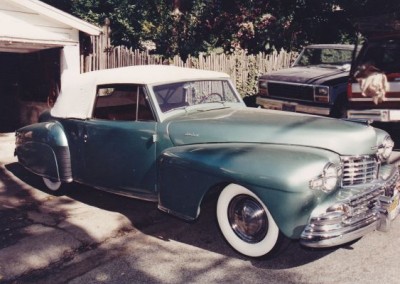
52, 185
248, 218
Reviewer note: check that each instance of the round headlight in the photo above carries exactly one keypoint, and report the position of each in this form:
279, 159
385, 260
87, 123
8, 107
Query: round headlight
264, 84
322, 91
385, 149
330, 177
328, 180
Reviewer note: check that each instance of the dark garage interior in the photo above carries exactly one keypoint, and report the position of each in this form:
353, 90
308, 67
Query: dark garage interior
26, 81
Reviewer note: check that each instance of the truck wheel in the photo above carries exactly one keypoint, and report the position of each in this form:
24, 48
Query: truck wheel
51, 184
245, 222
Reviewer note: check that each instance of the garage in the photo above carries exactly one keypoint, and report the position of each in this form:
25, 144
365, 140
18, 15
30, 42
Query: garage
39, 53
26, 83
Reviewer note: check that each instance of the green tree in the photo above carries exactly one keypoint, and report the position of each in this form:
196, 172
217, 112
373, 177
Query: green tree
192, 26
126, 17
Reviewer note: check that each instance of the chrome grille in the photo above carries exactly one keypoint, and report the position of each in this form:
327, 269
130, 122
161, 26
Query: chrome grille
366, 200
359, 170
290, 91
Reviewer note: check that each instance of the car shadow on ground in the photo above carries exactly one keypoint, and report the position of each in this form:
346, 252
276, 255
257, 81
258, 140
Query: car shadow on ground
202, 233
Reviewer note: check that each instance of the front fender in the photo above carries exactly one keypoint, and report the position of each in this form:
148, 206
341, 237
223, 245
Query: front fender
278, 174
43, 149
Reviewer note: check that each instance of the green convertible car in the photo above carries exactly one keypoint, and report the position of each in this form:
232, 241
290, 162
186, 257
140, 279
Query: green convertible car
175, 135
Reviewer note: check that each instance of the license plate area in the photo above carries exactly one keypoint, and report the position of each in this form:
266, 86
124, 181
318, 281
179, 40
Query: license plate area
393, 207
390, 206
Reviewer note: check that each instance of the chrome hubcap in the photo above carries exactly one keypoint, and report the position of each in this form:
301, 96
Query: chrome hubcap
248, 218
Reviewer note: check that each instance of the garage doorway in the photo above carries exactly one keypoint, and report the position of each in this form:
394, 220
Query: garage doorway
27, 81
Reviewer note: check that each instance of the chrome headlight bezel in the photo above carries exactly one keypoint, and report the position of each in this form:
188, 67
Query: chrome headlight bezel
263, 87
385, 149
329, 179
321, 94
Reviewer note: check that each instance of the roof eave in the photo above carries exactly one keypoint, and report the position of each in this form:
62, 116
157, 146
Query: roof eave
59, 15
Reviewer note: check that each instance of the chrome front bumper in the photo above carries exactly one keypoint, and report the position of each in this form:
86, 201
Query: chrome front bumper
375, 114
291, 106
361, 211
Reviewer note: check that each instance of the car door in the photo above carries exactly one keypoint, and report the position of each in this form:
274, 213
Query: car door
118, 147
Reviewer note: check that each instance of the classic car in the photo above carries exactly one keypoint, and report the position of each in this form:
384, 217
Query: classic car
176, 136
316, 83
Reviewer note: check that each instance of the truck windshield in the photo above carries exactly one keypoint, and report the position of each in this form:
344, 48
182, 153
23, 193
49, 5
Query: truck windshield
324, 56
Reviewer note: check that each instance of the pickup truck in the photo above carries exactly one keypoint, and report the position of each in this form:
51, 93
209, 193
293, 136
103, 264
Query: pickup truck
315, 84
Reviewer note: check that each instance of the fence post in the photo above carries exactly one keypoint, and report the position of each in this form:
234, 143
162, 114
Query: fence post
105, 45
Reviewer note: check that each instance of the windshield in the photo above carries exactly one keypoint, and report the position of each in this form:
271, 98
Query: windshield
330, 57
189, 93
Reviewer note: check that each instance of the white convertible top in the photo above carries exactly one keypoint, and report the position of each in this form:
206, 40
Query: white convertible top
77, 98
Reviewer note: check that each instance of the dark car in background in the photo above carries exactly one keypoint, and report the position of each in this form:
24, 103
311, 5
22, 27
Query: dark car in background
315, 84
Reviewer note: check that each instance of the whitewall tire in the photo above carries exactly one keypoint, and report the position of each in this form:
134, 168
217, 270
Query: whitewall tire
52, 185
245, 221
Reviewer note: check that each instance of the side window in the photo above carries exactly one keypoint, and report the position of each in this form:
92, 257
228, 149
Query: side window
143, 111
171, 96
122, 102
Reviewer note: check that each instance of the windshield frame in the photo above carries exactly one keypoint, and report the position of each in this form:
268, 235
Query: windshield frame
181, 110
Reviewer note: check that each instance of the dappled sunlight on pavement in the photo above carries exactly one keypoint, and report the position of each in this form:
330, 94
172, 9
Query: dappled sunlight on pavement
38, 229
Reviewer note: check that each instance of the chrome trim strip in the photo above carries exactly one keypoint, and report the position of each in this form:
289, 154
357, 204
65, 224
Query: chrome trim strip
324, 239
293, 84
375, 114
368, 99
278, 104
174, 213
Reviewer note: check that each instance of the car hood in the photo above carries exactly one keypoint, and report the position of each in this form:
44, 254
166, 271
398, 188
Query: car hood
250, 125
306, 75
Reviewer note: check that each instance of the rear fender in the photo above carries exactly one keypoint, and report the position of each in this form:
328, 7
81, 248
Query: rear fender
43, 149
278, 175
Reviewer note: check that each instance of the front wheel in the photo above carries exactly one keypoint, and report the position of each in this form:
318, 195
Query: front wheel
245, 222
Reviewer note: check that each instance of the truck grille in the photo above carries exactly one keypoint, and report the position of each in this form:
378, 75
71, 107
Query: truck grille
291, 91
359, 170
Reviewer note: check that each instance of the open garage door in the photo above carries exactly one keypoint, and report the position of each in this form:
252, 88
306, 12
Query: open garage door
26, 82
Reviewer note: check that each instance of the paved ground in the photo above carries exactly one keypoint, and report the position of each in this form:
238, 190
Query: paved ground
87, 236
37, 229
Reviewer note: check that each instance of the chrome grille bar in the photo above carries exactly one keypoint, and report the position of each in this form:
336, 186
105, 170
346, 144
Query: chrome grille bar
359, 170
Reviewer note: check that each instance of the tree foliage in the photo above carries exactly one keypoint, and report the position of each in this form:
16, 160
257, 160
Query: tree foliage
192, 26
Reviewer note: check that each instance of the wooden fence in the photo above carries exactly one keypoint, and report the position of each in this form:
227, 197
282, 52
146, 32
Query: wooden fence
243, 68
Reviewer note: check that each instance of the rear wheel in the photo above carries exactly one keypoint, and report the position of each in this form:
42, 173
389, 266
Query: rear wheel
52, 185
245, 222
